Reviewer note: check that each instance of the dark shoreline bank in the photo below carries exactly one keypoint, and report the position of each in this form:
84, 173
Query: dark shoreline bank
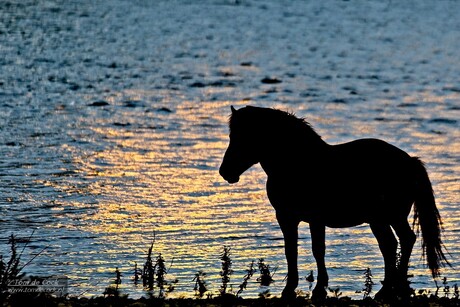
227, 302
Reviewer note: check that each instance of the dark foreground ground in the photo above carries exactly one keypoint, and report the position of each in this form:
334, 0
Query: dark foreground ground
232, 302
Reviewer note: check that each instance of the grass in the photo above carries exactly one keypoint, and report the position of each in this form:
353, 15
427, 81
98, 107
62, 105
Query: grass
368, 283
12, 270
200, 284
249, 273
43, 300
154, 276
226, 271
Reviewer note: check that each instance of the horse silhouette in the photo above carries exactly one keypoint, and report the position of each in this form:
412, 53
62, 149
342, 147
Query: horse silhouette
344, 185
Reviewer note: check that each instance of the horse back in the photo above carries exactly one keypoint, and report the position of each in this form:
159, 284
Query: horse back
371, 164
349, 184
366, 156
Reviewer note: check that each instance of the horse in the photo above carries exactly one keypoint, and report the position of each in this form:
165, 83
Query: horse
344, 185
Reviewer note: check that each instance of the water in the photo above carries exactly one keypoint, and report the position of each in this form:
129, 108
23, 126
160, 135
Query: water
113, 125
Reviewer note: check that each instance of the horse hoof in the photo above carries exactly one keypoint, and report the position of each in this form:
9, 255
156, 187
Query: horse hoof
319, 294
403, 290
385, 294
288, 295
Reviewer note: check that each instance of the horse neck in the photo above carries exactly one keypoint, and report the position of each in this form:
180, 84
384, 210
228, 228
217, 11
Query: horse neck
283, 154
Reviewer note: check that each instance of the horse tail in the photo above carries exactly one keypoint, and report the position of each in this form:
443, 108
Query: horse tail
428, 219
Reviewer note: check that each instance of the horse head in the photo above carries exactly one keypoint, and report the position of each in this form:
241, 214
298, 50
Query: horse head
242, 151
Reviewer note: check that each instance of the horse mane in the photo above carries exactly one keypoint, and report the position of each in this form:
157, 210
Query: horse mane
301, 121
275, 119
299, 125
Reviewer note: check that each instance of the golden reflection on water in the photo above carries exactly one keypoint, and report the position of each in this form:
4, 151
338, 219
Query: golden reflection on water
165, 180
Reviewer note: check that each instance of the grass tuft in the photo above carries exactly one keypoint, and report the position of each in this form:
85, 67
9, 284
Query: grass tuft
226, 270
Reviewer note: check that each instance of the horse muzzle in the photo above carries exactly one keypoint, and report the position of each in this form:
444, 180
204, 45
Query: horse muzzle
232, 179
229, 178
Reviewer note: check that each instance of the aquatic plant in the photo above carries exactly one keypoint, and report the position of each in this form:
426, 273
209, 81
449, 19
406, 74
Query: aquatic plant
137, 274
249, 273
113, 290
437, 288
368, 283
335, 292
12, 270
226, 270
160, 273
446, 287
310, 279
154, 273
265, 277
148, 272
200, 284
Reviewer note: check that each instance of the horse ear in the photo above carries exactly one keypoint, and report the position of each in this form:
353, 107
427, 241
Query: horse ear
233, 109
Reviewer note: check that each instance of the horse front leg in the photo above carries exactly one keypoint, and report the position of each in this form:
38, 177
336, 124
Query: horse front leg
318, 242
289, 227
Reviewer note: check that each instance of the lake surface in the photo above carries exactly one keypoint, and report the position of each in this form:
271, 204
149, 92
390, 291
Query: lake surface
113, 124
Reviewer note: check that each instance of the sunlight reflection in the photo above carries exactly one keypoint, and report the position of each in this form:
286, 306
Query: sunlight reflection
157, 174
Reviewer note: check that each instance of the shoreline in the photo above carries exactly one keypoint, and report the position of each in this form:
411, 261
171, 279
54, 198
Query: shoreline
43, 300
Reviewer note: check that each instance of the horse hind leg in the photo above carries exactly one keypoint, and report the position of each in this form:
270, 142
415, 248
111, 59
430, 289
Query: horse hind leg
388, 246
407, 239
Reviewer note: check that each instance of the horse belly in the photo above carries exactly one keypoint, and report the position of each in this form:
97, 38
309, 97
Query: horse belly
346, 210
314, 201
